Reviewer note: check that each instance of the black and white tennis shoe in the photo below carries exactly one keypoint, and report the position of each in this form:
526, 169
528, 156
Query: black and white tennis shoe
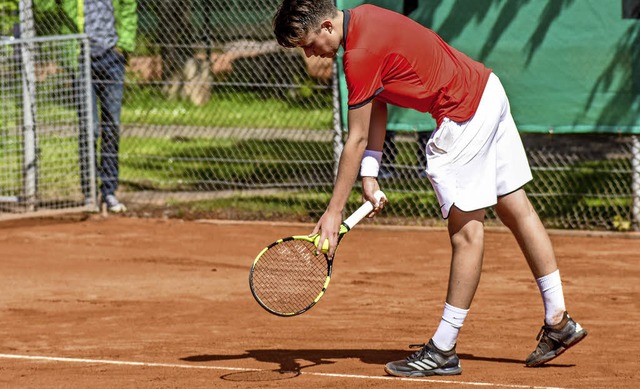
554, 340
426, 362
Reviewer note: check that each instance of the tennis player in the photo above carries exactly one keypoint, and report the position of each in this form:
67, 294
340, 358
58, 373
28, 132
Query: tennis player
475, 158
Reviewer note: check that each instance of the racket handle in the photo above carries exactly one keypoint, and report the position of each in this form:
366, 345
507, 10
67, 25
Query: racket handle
363, 211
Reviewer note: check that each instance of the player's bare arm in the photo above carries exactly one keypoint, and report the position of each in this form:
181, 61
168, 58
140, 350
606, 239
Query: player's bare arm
329, 224
377, 131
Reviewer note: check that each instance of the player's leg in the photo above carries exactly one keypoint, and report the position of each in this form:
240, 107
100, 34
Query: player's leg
466, 232
438, 357
516, 212
559, 331
514, 209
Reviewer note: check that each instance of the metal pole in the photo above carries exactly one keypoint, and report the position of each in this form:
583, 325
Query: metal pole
30, 175
85, 72
635, 181
337, 121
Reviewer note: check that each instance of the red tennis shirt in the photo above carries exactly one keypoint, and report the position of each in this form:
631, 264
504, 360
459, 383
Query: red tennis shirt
390, 57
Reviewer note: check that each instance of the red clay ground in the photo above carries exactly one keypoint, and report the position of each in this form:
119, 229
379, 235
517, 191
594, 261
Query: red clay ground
150, 303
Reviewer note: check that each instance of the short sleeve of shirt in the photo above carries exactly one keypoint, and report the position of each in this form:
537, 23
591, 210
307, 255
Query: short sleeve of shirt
392, 58
364, 81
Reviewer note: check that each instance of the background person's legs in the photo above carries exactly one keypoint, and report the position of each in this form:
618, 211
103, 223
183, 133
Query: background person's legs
110, 91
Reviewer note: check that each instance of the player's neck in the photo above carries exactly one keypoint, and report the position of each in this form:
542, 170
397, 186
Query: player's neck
338, 24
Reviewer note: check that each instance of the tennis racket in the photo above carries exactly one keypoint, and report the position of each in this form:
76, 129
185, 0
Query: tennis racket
287, 278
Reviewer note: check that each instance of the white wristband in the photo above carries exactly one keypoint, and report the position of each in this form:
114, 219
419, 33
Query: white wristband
370, 164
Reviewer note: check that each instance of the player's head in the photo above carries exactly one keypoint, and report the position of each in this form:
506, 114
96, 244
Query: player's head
308, 24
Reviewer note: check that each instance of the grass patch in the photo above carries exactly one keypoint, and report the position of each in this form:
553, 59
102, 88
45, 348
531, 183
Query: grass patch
213, 164
232, 110
57, 167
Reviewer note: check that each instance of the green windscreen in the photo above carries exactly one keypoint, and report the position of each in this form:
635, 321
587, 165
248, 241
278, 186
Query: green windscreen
568, 66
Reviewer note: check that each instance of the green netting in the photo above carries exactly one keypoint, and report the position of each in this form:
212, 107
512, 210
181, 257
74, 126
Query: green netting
569, 66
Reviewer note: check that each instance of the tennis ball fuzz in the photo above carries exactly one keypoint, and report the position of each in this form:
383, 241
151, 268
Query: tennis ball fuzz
325, 245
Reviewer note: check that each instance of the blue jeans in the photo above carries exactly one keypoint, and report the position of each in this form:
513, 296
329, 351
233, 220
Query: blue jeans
107, 79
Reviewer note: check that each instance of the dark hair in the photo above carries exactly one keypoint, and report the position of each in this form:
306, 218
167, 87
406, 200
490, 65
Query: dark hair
296, 18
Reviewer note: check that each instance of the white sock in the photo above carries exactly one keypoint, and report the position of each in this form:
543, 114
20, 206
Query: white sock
447, 333
551, 290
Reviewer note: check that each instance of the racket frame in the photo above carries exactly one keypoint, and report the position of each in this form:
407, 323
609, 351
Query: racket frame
343, 230
364, 210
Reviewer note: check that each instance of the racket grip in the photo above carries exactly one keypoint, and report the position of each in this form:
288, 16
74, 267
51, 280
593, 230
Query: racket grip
363, 211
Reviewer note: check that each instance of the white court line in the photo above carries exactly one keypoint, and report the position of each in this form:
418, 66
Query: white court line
209, 367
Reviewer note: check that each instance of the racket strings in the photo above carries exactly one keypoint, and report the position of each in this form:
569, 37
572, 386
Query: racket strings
289, 277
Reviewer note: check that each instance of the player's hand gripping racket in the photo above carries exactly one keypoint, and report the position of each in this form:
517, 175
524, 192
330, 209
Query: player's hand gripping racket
288, 278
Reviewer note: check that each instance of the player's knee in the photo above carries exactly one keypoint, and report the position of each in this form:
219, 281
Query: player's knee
512, 216
471, 234
514, 208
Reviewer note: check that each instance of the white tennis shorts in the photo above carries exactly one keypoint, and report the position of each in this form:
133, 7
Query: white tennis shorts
471, 164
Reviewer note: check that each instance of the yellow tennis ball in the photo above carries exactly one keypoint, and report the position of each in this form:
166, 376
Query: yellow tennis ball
325, 245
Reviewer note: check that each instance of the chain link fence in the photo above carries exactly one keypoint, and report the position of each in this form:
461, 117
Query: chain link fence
218, 121
43, 98
580, 181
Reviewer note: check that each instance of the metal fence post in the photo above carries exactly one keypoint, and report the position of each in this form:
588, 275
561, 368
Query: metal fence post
85, 70
635, 181
337, 120
28, 105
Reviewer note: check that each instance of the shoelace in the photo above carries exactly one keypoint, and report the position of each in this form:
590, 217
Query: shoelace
542, 331
418, 354
545, 328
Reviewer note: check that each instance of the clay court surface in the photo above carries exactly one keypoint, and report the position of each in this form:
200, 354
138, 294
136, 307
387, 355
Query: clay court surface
148, 303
